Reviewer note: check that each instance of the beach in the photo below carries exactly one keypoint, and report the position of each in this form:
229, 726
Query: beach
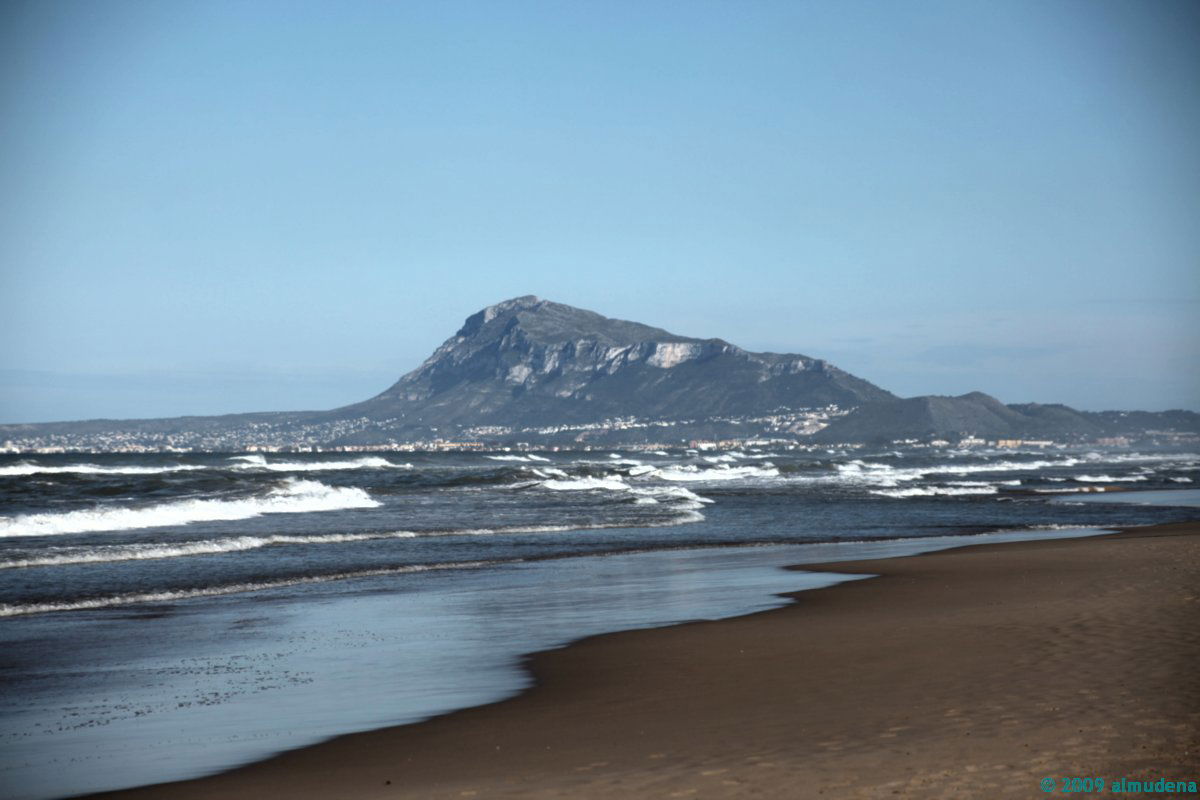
975, 672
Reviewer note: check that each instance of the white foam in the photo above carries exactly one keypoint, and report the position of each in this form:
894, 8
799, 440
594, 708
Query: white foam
1125, 458
614, 460
29, 468
11, 610
293, 497
680, 496
1053, 527
932, 491
527, 457
983, 483
1181, 480
679, 491
721, 473
553, 472
366, 462
152, 551
858, 471
999, 466
234, 544
686, 516
610, 483
1067, 490
1108, 478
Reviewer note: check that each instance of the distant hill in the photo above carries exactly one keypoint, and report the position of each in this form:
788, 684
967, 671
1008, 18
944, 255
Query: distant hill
978, 414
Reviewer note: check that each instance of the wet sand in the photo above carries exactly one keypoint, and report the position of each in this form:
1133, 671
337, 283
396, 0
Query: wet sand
974, 672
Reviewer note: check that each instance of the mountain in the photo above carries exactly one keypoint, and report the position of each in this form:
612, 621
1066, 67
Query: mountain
530, 370
531, 362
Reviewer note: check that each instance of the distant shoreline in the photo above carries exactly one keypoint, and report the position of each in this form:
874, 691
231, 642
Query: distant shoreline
975, 672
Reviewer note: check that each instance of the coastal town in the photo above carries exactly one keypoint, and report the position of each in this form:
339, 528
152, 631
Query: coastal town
789, 429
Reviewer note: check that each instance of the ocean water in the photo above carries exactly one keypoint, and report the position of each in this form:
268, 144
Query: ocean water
166, 616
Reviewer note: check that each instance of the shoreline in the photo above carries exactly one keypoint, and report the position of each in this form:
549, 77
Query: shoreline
974, 671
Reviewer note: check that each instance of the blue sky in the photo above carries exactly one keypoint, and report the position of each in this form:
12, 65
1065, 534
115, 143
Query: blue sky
211, 207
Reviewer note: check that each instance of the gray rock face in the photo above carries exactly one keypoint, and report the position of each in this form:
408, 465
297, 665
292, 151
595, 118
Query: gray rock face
528, 361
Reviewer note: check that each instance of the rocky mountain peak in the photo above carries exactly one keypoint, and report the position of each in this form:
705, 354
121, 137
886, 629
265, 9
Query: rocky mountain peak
533, 361
506, 309
546, 322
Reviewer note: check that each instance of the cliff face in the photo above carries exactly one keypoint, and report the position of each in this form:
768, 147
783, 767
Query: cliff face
529, 361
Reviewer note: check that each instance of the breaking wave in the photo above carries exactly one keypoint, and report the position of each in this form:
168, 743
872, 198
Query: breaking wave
205, 547
983, 483
366, 462
1108, 478
11, 610
719, 473
932, 491
1071, 489
678, 496
29, 468
294, 496
612, 484
233, 544
527, 458
858, 471
249, 462
548, 472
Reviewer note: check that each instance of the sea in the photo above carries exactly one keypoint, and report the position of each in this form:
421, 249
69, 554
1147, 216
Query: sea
164, 616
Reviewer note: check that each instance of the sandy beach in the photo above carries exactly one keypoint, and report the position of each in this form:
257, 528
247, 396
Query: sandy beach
975, 672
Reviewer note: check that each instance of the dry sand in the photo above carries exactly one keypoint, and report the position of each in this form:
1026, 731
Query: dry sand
971, 673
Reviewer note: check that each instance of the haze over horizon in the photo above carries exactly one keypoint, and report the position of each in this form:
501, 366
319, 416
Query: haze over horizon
214, 208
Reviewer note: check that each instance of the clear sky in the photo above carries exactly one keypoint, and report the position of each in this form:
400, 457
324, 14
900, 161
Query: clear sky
211, 207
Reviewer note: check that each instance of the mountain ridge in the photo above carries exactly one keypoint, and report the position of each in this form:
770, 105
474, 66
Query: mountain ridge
975, 414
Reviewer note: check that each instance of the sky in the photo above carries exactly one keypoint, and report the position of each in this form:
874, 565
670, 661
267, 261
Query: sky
216, 207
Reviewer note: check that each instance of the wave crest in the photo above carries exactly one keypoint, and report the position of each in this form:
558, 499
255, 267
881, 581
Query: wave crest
294, 496
934, 491
255, 461
30, 468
